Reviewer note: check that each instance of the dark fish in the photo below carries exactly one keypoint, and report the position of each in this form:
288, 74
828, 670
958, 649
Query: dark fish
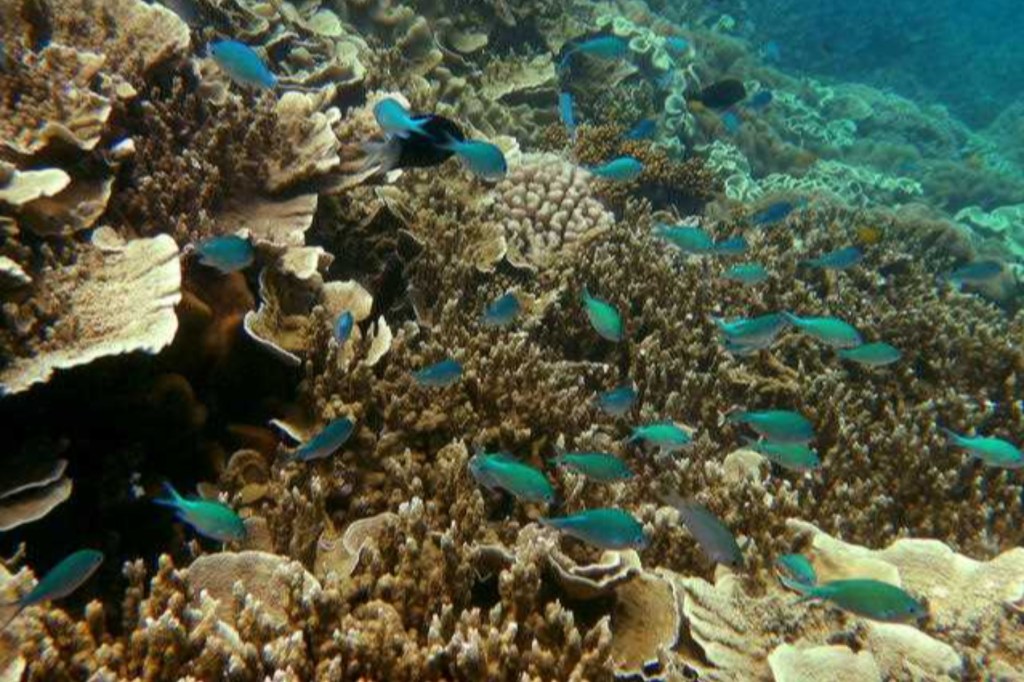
723, 94
418, 150
712, 535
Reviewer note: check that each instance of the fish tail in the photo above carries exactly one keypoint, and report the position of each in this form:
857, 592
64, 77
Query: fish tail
172, 499
952, 435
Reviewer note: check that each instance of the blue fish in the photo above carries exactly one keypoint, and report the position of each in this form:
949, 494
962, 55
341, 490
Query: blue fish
840, 259
830, 330
343, 327
440, 374
209, 518
796, 572
677, 45
603, 316
500, 471
760, 100
734, 246
228, 253
241, 63
565, 111
746, 273
978, 272
732, 121
876, 354
759, 331
687, 238
773, 213
642, 130
395, 119
604, 47
869, 598
622, 169
666, 435
607, 528
597, 466
780, 426
617, 401
502, 311
993, 452
61, 580
325, 443
483, 159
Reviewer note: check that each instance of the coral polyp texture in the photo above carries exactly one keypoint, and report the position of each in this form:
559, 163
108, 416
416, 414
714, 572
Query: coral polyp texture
344, 275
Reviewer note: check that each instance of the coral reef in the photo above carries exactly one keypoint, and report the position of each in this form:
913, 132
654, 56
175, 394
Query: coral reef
388, 559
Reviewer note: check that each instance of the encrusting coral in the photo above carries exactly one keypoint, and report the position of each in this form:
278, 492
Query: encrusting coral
388, 559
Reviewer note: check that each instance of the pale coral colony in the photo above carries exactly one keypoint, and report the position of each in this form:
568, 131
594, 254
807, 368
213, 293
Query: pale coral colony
436, 307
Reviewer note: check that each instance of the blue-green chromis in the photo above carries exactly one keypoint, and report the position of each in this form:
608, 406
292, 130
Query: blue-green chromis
666, 435
61, 580
209, 518
830, 330
993, 452
597, 466
603, 316
869, 598
781, 426
496, 471
607, 528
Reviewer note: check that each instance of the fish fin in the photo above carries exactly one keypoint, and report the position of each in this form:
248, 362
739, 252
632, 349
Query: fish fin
173, 499
383, 155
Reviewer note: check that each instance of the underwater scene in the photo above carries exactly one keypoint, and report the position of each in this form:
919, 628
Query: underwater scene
511, 340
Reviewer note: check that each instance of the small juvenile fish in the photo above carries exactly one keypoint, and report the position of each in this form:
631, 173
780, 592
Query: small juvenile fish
603, 316
502, 311
829, 330
605, 47
501, 471
622, 169
753, 331
343, 327
241, 63
723, 94
607, 528
395, 119
876, 354
617, 401
760, 99
598, 466
794, 456
781, 426
483, 159
746, 273
61, 580
686, 238
994, 452
325, 443
642, 130
868, 598
731, 121
734, 246
977, 272
714, 538
666, 435
565, 111
440, 374
209, 518
796, 572
773, 213
677, 45
229, 253
837, 260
